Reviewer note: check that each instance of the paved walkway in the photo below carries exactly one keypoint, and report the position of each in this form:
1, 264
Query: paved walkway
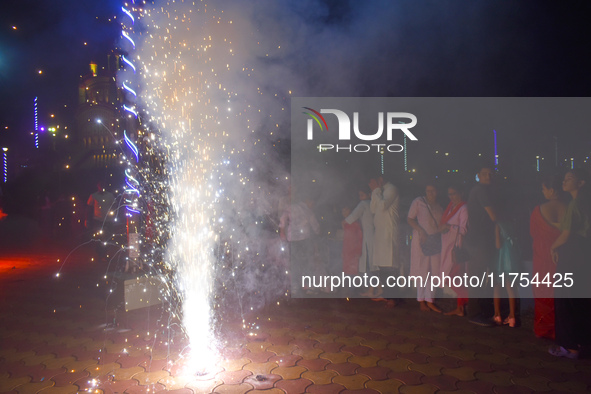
55, 339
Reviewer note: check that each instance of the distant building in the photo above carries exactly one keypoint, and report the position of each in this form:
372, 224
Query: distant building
98, 116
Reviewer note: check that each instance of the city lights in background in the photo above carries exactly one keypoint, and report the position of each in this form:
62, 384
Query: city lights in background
5, 164
405, 153
36, 123
405, 157
496, 151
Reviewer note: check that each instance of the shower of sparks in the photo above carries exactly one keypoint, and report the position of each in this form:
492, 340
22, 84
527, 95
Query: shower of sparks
198, 130
177, 102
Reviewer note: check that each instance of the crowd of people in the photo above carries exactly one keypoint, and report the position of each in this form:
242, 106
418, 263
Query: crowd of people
477, 236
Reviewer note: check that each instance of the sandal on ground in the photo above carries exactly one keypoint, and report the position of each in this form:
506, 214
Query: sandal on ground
559, 351
497, 320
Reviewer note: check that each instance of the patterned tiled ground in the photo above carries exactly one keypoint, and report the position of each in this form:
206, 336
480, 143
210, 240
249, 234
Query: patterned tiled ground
54, 340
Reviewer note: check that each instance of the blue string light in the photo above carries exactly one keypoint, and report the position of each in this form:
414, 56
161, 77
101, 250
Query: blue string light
130, 90
131, 110
129, 15
132, 189
124, 33
130, 64
131, 146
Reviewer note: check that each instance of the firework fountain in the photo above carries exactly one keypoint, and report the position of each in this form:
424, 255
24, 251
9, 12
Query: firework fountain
184, 60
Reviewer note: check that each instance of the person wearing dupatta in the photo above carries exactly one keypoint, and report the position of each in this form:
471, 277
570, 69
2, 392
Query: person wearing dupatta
544, 228
424, 216
453, 227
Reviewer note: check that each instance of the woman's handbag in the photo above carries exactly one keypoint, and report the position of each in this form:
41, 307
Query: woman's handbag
458, 254
432, 244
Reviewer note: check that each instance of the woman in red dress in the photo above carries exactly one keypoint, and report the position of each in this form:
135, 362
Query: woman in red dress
453, 227
544, 229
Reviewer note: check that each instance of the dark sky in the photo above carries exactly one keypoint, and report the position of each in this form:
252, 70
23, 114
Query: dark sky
417, 48
49, 36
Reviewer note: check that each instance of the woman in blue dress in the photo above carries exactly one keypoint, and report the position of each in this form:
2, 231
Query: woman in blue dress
507, 262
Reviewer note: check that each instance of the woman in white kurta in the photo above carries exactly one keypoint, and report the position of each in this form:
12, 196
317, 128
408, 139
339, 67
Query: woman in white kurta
424, 216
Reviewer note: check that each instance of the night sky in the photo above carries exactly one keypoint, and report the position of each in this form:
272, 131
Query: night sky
377, 48
50, 36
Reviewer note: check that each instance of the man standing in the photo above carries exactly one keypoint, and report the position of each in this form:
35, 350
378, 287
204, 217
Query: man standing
385, 207
480, 244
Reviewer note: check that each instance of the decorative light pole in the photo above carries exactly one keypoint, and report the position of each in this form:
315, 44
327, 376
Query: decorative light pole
36, 124
496, 152
131, 191
5, 163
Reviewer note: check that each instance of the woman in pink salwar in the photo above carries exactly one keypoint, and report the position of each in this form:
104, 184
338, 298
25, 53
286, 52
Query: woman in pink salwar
453, 228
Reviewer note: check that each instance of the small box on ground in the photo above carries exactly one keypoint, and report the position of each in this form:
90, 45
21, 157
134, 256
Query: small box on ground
142, 292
